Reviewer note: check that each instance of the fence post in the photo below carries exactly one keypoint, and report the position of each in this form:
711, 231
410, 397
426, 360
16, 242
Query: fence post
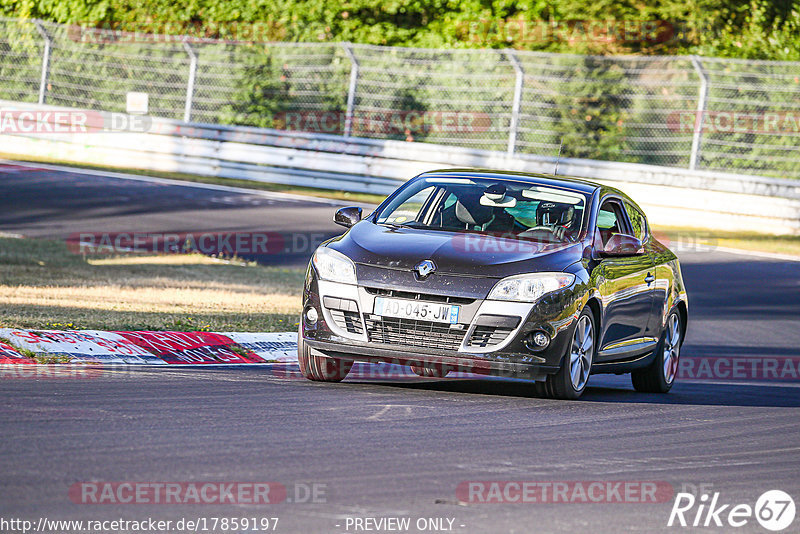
702, 98
514, 126
45, 60
187, 110
351, 91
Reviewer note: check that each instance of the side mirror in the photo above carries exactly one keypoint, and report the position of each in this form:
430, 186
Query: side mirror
622, 245
347, 217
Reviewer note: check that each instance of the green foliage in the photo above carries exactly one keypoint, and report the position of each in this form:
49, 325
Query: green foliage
19, 75
589, 109
601, 109
758, 30
767, 29
262, 93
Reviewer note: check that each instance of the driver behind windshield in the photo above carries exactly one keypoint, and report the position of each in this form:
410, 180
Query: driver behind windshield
515, 209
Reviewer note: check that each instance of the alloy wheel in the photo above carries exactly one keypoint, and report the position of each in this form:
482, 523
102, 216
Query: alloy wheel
580, 360
672, 347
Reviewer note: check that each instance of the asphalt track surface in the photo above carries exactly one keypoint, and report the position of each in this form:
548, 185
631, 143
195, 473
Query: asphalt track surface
36, 202
397, 446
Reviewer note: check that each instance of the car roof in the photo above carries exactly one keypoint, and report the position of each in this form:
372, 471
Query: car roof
571, 182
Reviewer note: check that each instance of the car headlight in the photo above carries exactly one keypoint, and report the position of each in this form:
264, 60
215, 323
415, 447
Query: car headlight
334, 266
529, 287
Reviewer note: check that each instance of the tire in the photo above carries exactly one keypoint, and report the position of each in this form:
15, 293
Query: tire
320, 368
659, 376
571, 379
431, 370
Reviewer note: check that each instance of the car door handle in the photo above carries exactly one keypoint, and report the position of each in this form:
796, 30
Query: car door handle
649, 279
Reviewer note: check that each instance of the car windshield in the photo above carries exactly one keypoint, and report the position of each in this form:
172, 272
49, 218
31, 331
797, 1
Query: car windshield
498, 207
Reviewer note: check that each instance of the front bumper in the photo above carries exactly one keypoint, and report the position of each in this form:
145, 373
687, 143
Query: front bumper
489, 338
402, 356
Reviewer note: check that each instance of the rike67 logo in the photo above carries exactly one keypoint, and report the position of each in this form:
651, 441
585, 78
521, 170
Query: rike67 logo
774, 510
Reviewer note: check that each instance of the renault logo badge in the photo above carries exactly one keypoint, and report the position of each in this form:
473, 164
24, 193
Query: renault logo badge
424, 268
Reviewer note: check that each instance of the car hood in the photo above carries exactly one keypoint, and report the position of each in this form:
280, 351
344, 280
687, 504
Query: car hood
402, 248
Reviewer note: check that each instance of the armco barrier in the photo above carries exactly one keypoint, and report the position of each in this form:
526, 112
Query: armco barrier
670, 195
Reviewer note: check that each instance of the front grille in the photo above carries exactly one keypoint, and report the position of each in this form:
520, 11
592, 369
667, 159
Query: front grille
347, 320
413, 333
417, 296
487, 336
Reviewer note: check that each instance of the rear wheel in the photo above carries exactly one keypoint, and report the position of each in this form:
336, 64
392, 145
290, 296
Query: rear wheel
570, 380
659, 376
431, 370
320, 368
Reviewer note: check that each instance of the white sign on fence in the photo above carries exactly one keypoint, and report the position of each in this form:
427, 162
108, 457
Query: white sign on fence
137, 103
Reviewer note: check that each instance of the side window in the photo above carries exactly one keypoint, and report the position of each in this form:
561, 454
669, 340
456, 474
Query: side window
610, 220
638, 221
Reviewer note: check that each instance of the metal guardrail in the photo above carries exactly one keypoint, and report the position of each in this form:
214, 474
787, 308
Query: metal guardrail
678, 111
370, 165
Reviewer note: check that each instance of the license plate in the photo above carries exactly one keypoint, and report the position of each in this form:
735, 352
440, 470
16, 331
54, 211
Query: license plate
414, 309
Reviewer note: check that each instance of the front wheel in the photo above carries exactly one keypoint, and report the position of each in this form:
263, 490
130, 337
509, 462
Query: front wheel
659, 376
570, 380
320, 368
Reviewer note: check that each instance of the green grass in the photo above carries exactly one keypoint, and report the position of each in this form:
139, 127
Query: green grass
43, 285
678, 237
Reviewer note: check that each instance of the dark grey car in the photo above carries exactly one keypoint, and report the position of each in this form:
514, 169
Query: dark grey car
535, 276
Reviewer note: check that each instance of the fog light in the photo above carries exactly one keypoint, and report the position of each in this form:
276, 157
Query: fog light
312, 316
537, 341
540, 339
